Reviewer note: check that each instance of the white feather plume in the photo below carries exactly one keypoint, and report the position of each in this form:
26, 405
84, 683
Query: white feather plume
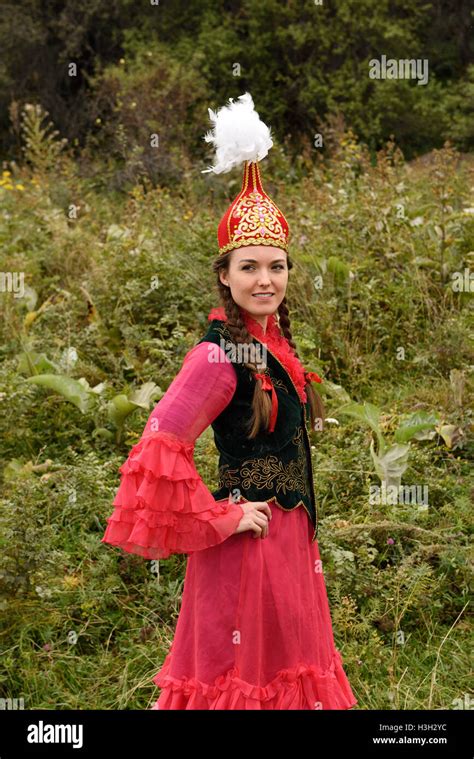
238, 135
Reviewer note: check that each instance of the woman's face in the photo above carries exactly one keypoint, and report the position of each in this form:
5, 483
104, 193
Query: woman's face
256, 269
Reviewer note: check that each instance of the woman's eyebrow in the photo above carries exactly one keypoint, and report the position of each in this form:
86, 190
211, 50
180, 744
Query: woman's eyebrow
253, 261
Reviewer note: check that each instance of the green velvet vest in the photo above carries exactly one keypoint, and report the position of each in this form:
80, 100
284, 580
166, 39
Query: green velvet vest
273, 467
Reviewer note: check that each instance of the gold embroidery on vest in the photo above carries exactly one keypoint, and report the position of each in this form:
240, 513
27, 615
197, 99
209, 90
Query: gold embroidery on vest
280, 383
269, 472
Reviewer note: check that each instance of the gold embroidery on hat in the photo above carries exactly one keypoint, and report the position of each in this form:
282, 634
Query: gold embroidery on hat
251, 223
253, 241
251, 230
244, 187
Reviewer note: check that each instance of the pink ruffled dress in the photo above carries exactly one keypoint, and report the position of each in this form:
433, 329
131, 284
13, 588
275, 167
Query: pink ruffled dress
254, 630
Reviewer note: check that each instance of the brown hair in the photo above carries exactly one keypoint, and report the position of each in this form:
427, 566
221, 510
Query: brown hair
261, 403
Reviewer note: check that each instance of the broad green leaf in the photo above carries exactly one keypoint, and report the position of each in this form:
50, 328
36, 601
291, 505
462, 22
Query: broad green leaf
98, 389
451, 434
119, 408
334, 391
32, 364
368, 413
391, 465
144, 395
121, 405
72, 390
104, 433
417, 425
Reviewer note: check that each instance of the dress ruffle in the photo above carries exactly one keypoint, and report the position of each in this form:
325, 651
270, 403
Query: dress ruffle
162, 506
301, 687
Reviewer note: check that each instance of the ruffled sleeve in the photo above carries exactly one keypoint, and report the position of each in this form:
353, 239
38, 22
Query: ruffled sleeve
162, 505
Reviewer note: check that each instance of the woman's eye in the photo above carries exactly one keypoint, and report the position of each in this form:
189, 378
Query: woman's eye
249, 266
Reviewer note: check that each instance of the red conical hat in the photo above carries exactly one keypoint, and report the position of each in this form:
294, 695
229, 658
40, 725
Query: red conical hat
252, 218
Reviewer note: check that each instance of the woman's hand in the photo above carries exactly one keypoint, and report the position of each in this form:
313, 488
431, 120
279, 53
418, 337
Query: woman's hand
256, 518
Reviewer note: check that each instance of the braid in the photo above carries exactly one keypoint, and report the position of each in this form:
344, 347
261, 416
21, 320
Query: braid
261, 403
284, 322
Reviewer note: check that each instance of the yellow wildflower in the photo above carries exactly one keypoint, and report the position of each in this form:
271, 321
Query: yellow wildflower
71, 581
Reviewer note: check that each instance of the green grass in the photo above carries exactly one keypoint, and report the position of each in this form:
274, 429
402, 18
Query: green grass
386, 326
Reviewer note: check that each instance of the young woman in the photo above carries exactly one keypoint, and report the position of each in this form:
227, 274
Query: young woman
254, 629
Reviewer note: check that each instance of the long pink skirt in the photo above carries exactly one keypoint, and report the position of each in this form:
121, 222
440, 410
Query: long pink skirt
254, 630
